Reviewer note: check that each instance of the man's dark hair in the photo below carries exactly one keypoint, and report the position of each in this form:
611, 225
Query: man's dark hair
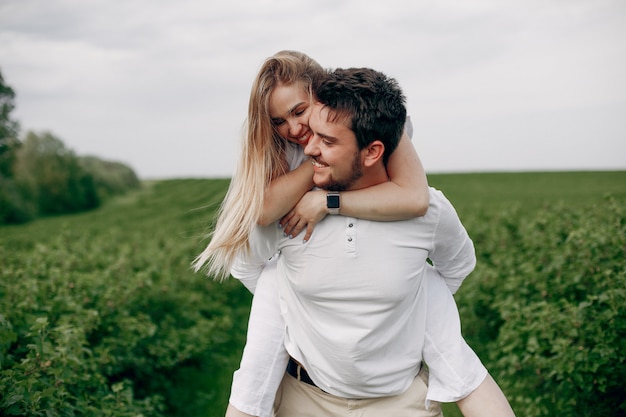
371, 103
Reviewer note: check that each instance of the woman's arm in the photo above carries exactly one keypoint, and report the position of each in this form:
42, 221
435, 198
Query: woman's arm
285, 191
403, 197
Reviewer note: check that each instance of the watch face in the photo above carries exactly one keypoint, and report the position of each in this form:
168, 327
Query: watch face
332, 201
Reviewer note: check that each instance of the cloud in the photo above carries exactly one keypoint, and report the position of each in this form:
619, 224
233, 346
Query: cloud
164, 85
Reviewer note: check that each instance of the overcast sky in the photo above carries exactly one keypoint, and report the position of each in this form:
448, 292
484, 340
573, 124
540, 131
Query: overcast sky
492, 85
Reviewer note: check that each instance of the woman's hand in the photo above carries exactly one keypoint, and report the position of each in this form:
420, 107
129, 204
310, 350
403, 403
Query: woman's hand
306, 214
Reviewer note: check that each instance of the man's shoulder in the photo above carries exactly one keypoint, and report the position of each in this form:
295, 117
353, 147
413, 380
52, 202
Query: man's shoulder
437, 198
438, 203
437, 193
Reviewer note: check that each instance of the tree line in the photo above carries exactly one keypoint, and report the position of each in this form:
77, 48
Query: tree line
40, 176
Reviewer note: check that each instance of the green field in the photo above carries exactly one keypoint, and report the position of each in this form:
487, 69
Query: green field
100, 310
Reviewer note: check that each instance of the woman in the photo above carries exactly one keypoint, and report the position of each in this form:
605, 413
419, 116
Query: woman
268, 187
271, 179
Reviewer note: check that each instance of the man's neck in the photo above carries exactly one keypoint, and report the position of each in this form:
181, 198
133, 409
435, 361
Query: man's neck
372, 176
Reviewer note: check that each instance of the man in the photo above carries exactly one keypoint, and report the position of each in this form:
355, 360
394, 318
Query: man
354, 299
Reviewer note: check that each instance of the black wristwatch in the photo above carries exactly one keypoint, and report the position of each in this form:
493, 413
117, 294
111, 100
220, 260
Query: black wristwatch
333, 202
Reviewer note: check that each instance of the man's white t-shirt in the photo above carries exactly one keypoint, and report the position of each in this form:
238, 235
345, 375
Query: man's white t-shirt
354, 298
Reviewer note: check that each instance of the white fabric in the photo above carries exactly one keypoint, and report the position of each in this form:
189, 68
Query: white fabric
454, 368
264, 358
408, 127
344, 353
294, 155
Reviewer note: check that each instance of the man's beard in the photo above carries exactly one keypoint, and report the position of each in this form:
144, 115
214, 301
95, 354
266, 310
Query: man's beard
343, 185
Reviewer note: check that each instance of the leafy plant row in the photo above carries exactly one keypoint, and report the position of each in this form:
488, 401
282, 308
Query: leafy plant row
545, 306
100, 314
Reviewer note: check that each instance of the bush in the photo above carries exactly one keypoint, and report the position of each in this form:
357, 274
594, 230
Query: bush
110, 178
45, 178
14, 208
51, 176
546, 307
100, 313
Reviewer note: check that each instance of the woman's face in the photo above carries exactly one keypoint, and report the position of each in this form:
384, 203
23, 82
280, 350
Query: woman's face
290, 109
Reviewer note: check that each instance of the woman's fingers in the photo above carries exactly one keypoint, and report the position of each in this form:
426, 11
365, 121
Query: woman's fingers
292, 224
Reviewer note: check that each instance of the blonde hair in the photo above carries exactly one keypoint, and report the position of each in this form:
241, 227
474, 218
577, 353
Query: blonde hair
262, 159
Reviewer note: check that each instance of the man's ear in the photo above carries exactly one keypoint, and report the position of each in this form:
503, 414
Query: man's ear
373, 153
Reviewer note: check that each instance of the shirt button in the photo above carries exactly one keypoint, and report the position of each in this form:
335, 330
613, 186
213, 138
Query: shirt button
349, 239
350, 225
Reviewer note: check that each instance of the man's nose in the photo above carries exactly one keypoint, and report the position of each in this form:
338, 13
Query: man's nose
312, 148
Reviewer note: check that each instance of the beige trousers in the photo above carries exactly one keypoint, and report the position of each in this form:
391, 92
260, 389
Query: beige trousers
298, 399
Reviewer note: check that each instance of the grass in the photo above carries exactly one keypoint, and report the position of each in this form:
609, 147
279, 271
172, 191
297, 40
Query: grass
532, 190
